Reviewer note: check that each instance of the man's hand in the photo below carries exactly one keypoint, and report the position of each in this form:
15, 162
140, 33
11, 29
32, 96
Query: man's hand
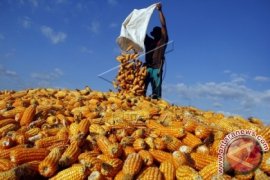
159, 6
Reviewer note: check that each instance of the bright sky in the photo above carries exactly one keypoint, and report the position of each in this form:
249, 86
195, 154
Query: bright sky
220, 59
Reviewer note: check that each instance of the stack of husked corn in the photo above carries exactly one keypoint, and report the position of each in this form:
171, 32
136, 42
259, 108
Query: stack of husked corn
80, 134
131, 74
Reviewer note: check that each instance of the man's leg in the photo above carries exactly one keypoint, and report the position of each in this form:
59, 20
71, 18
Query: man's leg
147, 80
157, 78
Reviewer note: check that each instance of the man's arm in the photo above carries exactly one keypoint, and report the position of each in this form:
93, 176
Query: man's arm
163, 23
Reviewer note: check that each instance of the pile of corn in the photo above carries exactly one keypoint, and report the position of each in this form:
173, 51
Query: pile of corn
131, 74
80, 134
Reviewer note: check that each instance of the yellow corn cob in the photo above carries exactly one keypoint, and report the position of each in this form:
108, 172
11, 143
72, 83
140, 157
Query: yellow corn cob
172, 131
7, 128
139, 133
70, 155
74, 129
248, 176
3, 104
90, 160
11, 113
172, 143
146, 157
97, 129
23, 155
151, 173
168, 170
265, 133
179, 159
128, 150
121, 133
265, 164
132, 165
32, 132
9, 174
215, 147
260, 175
202, 160
5, 153
209, 171
152, 124
84, 127
161, 156
6, 164
191, 140
111, 149
96, 175
187, 172
190, 125
202, 149
49, 141
76, 171
5, 122
28, 115
202, 132
139, 144
52, 120
159, 144
111, 167
49, 165
120, 58
150, 142
119, 176
127, 141
20, 139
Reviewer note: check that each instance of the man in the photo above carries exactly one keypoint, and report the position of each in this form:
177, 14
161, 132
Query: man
154, 58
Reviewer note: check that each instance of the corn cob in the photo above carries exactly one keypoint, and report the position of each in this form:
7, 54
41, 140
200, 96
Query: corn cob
202, 149
113, 150
83, 128
6, 164
49, 141
151, 173
139, 144
127, 141
76, 171
132, 165
202, 132
265, 164
120, 176
7, 128
128, 150
209, 171
90, 160
11, 113
5, 122
146, 157
265, 133
161, 156
190, 125
5, 154
139, 133
168, 170
172, 143
111, 167
28, 115
191, 140
49, 165
248, 176
202, 160
32, 132
260, 175
186, 172
150, 142
159, 144
175, 132
179, 159
112, 138
23, 155
96, 175
70, 155
97, 129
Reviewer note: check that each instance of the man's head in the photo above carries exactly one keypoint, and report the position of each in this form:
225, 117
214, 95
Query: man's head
156, 32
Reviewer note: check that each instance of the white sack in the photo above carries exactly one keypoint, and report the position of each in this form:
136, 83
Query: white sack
134, 28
